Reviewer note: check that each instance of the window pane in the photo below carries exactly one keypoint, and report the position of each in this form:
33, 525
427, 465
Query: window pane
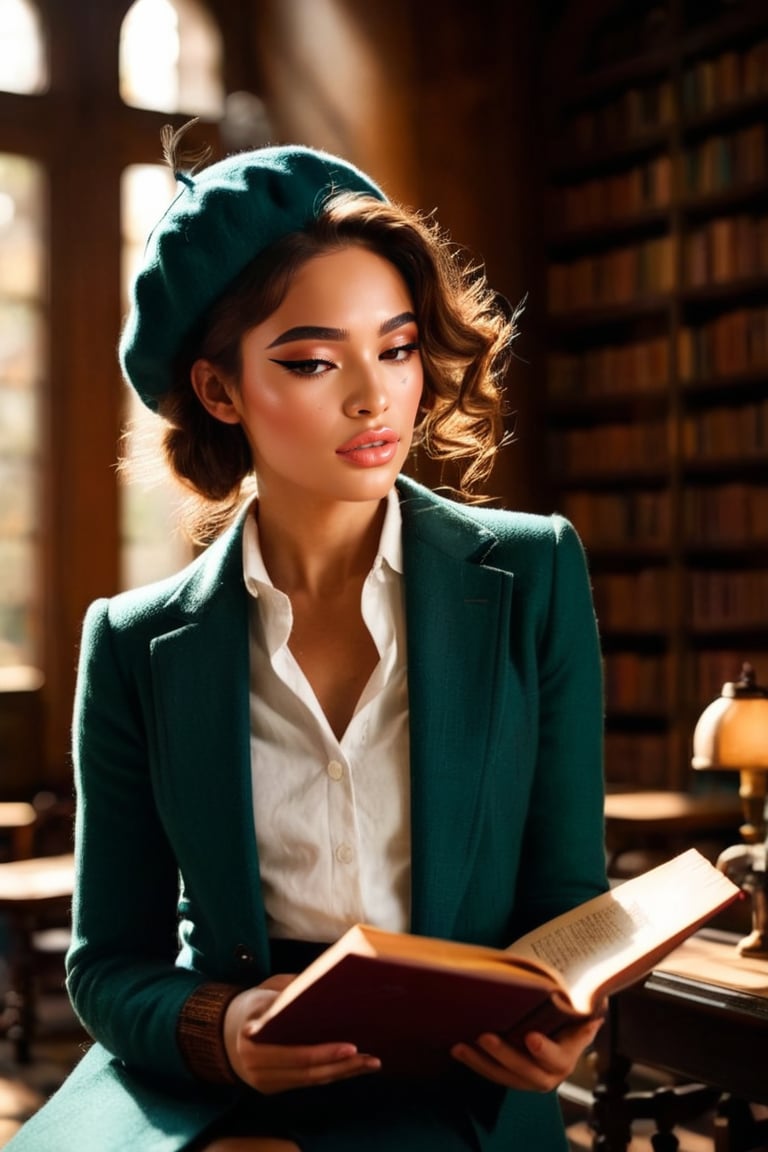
21, 251
22, 59
22, 333
147, 190
150, 545
170, 58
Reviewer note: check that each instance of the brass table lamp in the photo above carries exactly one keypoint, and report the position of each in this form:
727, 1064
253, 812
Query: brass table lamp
732, 734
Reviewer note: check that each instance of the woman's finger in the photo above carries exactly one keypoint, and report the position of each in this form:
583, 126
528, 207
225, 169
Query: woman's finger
541, 1066
277, 1068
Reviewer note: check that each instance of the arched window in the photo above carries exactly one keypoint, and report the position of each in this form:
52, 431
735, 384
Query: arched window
150, 545
171, 58
22, 50
22, 320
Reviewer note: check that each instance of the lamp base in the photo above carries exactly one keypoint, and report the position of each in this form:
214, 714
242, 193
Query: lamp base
745, 865
756, 945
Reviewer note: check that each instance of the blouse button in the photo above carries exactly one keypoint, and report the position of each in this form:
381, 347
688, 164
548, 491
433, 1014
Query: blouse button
345, 853
335, 770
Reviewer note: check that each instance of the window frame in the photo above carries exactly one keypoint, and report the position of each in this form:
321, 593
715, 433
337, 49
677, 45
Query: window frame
83, 136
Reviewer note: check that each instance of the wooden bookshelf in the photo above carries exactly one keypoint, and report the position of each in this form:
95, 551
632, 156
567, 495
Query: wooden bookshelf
657, 365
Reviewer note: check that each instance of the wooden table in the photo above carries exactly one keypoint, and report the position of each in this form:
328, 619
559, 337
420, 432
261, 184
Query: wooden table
703, 1017
17, 821
667, 822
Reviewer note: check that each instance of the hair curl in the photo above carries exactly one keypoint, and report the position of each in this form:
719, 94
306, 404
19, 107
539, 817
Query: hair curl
465, 337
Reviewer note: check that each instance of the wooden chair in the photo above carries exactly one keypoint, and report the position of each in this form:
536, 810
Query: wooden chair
35, 899
30, 891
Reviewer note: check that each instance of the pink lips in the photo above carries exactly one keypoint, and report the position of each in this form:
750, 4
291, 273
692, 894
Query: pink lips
370, 448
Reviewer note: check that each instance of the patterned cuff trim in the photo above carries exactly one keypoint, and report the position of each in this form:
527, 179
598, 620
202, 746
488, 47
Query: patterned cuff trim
200, 1032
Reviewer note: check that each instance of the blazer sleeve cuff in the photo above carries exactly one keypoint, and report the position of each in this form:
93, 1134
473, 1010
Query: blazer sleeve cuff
200, 1032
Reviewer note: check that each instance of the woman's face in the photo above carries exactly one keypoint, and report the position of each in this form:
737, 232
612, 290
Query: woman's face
331, 381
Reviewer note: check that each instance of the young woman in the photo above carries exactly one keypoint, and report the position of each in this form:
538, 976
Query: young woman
362, 702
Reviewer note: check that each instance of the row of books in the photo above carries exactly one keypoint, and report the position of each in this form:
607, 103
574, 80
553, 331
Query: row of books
616, 369
726, 433
593, 202
636, 759
710, 669
731, 343
726, 249
717, 600
617, 519
717, 516
729, 599
636, 681
723, 162
632, 601
729, 78
619, 276
616, 448
726, 514
718, 164
640, 683
633, 114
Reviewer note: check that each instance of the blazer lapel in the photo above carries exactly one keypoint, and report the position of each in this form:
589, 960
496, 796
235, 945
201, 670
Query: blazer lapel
201, 678
458, 610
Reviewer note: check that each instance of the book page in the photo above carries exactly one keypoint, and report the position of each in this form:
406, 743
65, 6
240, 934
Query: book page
568, 945
592, 944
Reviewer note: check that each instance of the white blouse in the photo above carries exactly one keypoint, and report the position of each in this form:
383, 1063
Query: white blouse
332, 817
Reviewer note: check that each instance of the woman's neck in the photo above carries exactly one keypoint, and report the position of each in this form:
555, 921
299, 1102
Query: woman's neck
318, 551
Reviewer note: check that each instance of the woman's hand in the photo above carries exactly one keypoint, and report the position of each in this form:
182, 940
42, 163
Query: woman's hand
271, 1068
543, 1065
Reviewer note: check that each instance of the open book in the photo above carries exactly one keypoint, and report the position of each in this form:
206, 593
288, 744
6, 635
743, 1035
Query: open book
408, 999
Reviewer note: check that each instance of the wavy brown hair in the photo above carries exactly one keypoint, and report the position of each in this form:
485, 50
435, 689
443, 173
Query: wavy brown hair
465, 336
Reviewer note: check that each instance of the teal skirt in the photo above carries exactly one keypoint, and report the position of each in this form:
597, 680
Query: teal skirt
369, 1113
104, 1107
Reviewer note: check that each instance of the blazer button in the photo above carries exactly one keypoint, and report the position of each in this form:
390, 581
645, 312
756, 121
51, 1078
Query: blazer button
244, 956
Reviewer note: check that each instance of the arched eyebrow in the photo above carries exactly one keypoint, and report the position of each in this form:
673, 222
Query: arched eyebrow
397, 322
316, 332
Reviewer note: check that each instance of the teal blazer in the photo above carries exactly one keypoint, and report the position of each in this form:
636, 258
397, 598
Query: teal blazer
505, 691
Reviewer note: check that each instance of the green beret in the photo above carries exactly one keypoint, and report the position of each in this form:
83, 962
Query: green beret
221, 219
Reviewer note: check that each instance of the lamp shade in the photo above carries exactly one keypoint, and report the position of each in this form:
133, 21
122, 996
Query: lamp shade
732, 731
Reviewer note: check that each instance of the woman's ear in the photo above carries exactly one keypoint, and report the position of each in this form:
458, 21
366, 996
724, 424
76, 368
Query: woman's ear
212, 392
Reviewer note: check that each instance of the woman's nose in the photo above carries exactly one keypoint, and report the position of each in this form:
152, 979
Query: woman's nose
368, 396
